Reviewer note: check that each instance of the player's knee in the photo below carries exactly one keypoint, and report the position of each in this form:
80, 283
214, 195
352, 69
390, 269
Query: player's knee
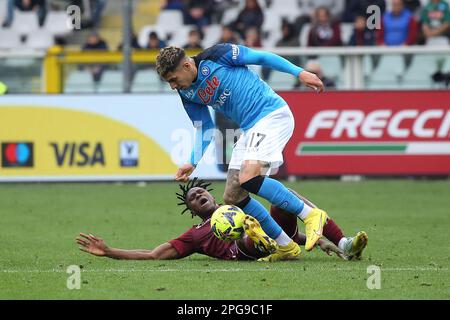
243, 179
234, 197
252, 184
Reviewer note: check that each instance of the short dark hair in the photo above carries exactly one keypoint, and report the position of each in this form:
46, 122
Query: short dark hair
168, 59
194, 183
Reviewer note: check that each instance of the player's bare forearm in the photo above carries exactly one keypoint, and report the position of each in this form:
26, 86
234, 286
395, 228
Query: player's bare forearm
301, 240
163, 252
323, 244
122, 254
96, 246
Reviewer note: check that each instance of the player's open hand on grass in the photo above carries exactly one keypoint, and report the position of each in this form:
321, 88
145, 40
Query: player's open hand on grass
329, 248
92, 244
184, 172
311, 81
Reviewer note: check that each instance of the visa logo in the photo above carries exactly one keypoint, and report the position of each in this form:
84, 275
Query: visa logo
78, 154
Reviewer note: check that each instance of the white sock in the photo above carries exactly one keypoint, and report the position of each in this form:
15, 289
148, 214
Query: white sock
342, 243
283, 239
305, 212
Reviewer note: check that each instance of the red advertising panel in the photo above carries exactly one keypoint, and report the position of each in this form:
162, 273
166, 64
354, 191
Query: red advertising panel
374, 133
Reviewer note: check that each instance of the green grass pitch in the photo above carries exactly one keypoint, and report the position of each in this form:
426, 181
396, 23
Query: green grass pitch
407, 221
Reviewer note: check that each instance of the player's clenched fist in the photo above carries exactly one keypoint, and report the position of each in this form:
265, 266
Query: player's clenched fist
311, 80
184, 172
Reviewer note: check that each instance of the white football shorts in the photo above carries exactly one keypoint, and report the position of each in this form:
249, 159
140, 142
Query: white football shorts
265, 141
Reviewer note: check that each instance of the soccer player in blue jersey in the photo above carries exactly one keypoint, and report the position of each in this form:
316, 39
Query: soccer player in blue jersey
219, 77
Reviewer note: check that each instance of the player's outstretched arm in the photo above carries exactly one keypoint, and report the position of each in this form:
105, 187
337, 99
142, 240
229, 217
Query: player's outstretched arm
96, 246
279, 63
203, 124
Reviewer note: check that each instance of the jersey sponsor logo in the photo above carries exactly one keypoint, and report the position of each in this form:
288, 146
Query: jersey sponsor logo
222, 99
407, 123
234, 51
17, 155
206, 71
207, 93
83, 154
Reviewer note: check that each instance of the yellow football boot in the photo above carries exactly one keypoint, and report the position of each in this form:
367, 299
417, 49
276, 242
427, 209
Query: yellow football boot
314, 223
253, 229
287, 252
355, 246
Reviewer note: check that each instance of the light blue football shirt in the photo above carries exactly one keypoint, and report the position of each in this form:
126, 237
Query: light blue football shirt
226, 84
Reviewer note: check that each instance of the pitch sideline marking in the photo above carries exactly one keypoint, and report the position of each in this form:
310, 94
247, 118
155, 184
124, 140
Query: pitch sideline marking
221, 270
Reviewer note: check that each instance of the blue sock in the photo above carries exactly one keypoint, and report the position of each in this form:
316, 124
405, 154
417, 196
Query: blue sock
257, 210
274, 192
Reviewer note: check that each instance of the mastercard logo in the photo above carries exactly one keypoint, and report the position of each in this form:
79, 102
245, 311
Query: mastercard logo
17, 154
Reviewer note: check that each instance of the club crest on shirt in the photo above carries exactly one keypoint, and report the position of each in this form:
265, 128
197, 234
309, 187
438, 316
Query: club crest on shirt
206, 71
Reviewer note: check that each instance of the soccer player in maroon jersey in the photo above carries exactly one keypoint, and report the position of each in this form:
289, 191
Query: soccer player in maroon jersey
200, 239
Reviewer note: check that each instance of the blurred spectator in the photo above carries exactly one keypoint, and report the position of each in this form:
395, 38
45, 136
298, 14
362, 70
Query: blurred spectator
336, 7
362, 36
398, 26
436, 19
324, 32
194, 40
198, 12
442, 78
252, 38
354, 8
250, 16
134, 43
38, 6
314, 67
97, 7
94, 42
154, 42
219, 7
412, 5
228, 36
172, 5
288, 36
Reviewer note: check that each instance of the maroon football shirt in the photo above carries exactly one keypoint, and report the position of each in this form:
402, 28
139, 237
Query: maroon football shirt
200, 239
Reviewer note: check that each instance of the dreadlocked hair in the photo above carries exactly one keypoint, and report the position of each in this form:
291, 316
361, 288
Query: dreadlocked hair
194, 183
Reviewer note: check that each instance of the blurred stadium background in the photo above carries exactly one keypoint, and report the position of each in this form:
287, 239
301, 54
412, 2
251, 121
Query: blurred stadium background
387, 87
